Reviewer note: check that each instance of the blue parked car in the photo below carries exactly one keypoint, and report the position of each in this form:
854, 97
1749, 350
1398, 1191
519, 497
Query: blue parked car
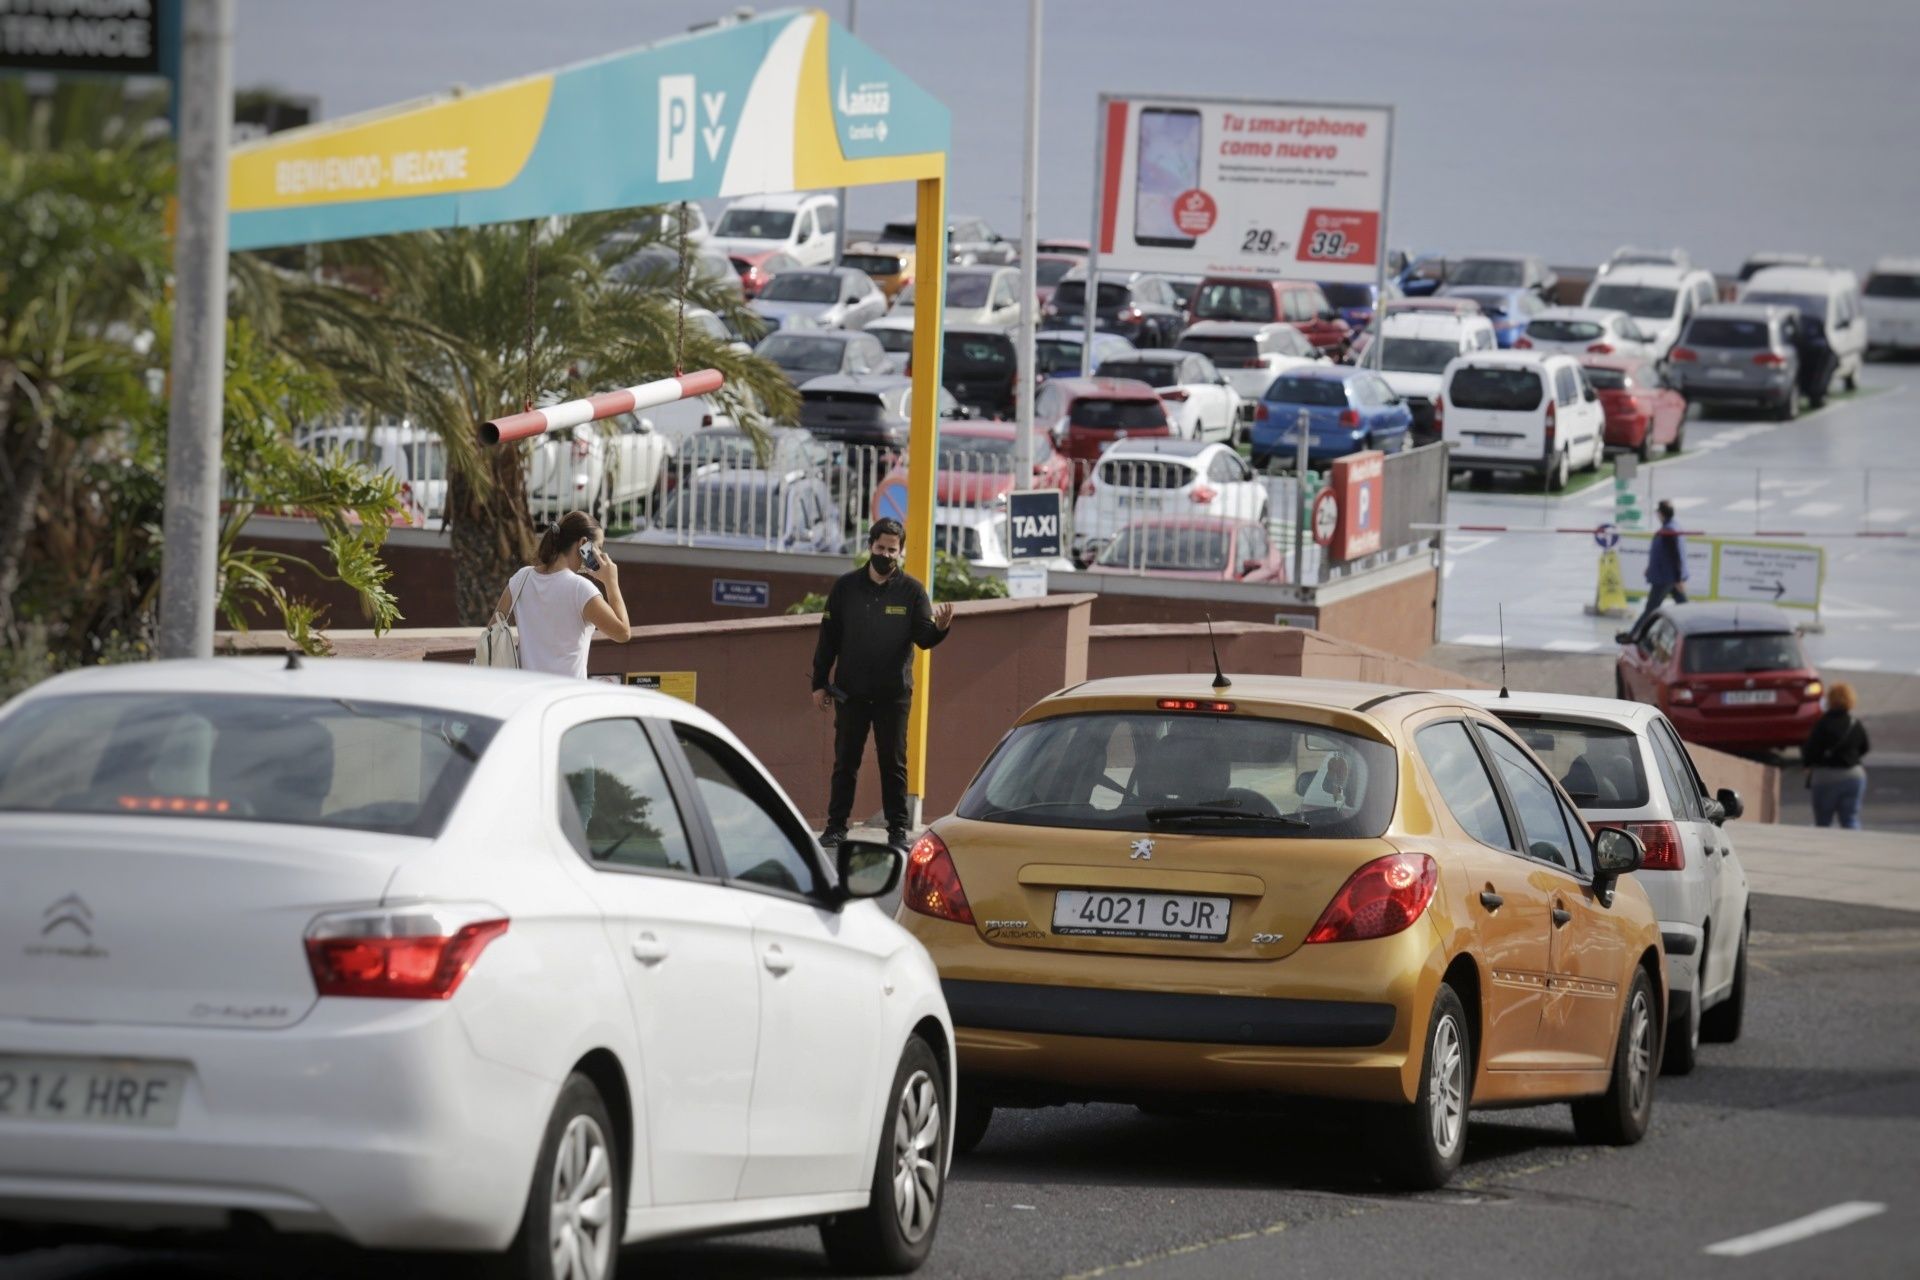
1356, 302
1510, 309
1348, 409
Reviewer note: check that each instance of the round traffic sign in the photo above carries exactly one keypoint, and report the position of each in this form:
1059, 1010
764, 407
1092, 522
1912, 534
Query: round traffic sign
891, 501
1326, 516
1606, 537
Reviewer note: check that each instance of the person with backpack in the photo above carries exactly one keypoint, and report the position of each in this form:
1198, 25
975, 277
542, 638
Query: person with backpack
1832, 757
557, 605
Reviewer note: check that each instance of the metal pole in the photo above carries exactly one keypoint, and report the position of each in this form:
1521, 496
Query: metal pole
1299, 496
1029, 269
1380, 269
1440, 545
840, 196
191, 526
1093, 244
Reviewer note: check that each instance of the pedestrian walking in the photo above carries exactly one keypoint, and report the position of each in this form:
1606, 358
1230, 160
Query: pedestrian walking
556, 603
1666, 571
863, 672
1832, 756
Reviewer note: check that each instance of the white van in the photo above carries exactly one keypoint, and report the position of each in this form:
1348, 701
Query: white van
1827, 294
1660, 299
1891, 301
1419, 346
1517, 411
804, 226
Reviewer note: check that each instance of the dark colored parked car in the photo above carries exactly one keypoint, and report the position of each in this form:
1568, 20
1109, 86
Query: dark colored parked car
1142, 308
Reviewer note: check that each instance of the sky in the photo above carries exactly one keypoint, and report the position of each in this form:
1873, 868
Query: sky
1559, 127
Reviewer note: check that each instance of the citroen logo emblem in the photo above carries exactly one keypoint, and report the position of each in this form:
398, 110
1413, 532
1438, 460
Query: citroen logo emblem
1142, 849
71, 910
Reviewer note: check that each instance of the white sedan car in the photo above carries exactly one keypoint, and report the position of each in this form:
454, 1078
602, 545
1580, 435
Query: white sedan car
598, 467
1577, 331
1164, 476
1201, 402
1625, 766
429, 957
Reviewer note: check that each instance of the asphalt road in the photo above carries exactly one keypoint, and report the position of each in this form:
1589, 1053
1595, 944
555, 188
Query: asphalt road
1817, 1106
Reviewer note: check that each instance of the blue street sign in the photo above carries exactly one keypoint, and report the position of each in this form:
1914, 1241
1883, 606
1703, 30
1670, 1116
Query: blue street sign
740, 594
1033, 519
1606, 537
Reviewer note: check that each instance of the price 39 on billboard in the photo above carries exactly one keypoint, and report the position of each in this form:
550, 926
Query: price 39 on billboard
1205, 186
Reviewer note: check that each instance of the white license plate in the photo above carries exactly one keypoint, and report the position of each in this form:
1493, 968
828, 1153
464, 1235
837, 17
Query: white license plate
91, 1091
1728, 375
1747, 697
1109, 913
1495, 442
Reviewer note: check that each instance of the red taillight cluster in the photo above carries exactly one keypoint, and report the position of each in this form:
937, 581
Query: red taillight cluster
932, 885
1260, 412
1523, 344
1193, 704
1349, 417
1553, 425
1661, 840
382, 956
1770, 360
1683, 355
1380, 899
1200, 495
1600, 349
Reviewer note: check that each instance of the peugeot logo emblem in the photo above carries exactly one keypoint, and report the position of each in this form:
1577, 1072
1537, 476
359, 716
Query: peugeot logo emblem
72, 910
1142, 849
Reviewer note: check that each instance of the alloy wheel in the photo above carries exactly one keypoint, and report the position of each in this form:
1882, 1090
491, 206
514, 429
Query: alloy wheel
1639, 1053
1446, 1087
581, 1217
916, 1150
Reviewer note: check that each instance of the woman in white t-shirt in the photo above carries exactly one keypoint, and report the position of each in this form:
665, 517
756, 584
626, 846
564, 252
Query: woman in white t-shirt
555, 603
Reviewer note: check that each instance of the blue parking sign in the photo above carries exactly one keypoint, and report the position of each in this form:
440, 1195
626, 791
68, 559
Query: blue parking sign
1033, 520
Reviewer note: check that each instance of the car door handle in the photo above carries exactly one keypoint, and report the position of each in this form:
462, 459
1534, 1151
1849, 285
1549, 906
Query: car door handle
1560, 915
649, 950
776, 960
1491, 900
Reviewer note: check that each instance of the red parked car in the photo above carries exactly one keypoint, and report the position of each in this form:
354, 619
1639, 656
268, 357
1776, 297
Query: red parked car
1643, 412
977, 461
1086, 415
1214, 548
1300, 303
1727, 675
756, 269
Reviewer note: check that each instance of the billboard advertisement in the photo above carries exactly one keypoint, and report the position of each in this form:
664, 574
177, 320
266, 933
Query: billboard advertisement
1205, 186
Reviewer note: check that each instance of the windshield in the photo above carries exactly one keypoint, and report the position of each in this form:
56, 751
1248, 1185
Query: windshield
1155, 373
1115, 415
1741, 651
1646, 301
1224, 301
1049, 271
1807, 304
899, 232
1417, 355
1501, 389
874, 264
1073, 293
968, 353
719, 508
1328, 392
1599, 765
1348, 295
1716, 331
1565, 331
315, 762
1888, 284
1110, 772
754, 224
968, 290
1500, 271
802, 286
804, 354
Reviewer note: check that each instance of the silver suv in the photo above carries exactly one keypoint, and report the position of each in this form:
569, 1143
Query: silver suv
1739, 353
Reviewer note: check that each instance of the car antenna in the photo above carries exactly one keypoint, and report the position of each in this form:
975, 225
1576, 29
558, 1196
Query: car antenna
1220, 680
1503, 648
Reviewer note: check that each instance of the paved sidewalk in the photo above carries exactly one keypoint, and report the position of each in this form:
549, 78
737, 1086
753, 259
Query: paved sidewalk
1866, 868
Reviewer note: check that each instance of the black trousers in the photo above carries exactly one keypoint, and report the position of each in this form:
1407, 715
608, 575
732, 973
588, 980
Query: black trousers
887, 719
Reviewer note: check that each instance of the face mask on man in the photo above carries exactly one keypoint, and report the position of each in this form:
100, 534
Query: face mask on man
884, 565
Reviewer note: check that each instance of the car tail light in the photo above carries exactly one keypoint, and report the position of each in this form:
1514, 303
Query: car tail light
1523, 344
1439, 415
932, 884
1349, 417
1382, 898
1193, 704
1683, 693
1175, 394
1770, 360
1200, 495
1600, 349
1553, 425
1683, 355
1662, 841
1260, 412
419, 952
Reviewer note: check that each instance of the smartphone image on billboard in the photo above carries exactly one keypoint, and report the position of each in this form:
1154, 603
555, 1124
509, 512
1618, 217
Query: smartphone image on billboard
1168, 164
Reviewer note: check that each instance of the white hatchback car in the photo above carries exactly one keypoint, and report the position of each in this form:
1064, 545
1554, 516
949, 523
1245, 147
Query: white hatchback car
430, 957
1624, 765
1891, 301
1574, 331
1164, 476
1518, 411
1660, 298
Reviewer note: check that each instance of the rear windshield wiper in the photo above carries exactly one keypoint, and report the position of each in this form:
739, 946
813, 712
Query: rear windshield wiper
1201, 813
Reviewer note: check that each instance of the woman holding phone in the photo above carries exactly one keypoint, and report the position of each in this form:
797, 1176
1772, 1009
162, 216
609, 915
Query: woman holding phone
558, 608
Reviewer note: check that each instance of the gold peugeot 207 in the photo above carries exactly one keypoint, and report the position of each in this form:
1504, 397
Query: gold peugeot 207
1160, 886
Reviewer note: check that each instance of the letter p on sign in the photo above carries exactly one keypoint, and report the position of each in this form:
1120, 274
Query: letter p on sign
674, 161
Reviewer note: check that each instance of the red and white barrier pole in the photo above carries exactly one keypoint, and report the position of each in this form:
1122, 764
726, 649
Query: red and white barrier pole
573, 413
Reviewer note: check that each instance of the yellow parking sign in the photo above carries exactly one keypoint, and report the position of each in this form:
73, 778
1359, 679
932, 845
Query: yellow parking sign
675, 684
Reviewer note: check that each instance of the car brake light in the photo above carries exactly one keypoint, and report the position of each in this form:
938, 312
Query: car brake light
174, 804
1553, 425
932, 884
419, 952
1439, 415
1523, 344
1770, 360
1382, 898
1200, 495
1260, 412
1662, 841
1683, 355
1193, 704
1600, 349
1349, 417
1173, 394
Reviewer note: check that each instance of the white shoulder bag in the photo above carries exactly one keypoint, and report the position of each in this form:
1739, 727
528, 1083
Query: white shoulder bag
497, 645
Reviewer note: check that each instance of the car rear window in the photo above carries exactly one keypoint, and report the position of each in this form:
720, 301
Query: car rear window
1720, 331
894, 341
1115, 415
1056, 356
1073, 293
1417, 355
317, 762
968, 290
874, 264
1607, 379
1048, 271
1226, 353
1812, 305
1712, 653
802, 286
957, 540
967, 353
1565, 330
821, 407
755, 224
1480, 387
1599, 765
1149, 771
1253, 302
1500, 271
1329, 392
1155, 373
1889, 284
898, 231
808, 355
1634, 299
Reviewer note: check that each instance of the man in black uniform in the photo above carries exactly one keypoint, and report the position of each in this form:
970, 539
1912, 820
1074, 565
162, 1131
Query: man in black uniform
875, 615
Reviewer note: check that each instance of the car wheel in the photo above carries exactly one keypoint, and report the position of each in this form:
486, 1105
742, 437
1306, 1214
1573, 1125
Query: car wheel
971, 1117
1679, 436
1721, 1024
1599, 452
1619, 1117
1260, 461
1682, 1048
1562, 470
894, 1233
576, 1209
1478, 479
1419, 1147
1789, 407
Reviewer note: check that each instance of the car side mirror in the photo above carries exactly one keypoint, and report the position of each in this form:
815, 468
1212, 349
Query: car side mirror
1615, 853
1731, 805
1592, 395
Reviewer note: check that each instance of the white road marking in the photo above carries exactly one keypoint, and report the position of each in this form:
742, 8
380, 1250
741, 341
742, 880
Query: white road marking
1840, 1215
1477, 640
1579, 646
1745, 504
1851, 664
1887, 515
1687, 504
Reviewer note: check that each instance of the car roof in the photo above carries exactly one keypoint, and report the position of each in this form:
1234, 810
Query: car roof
792, 201
1899, 266
1693, 619
1159, 355
1625, 364
983, 428
1740, 310
1345, 695
1426, 324
1509, 359
977, 330
842, 336
1496, 257
1166, 446
1113, 388
1485, 290
953, 272
1795, 279
1649, 273
1579, 313
1232, 328
1326, 372
1613, 709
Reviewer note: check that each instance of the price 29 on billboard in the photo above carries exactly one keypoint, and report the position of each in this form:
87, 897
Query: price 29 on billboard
1205, 186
